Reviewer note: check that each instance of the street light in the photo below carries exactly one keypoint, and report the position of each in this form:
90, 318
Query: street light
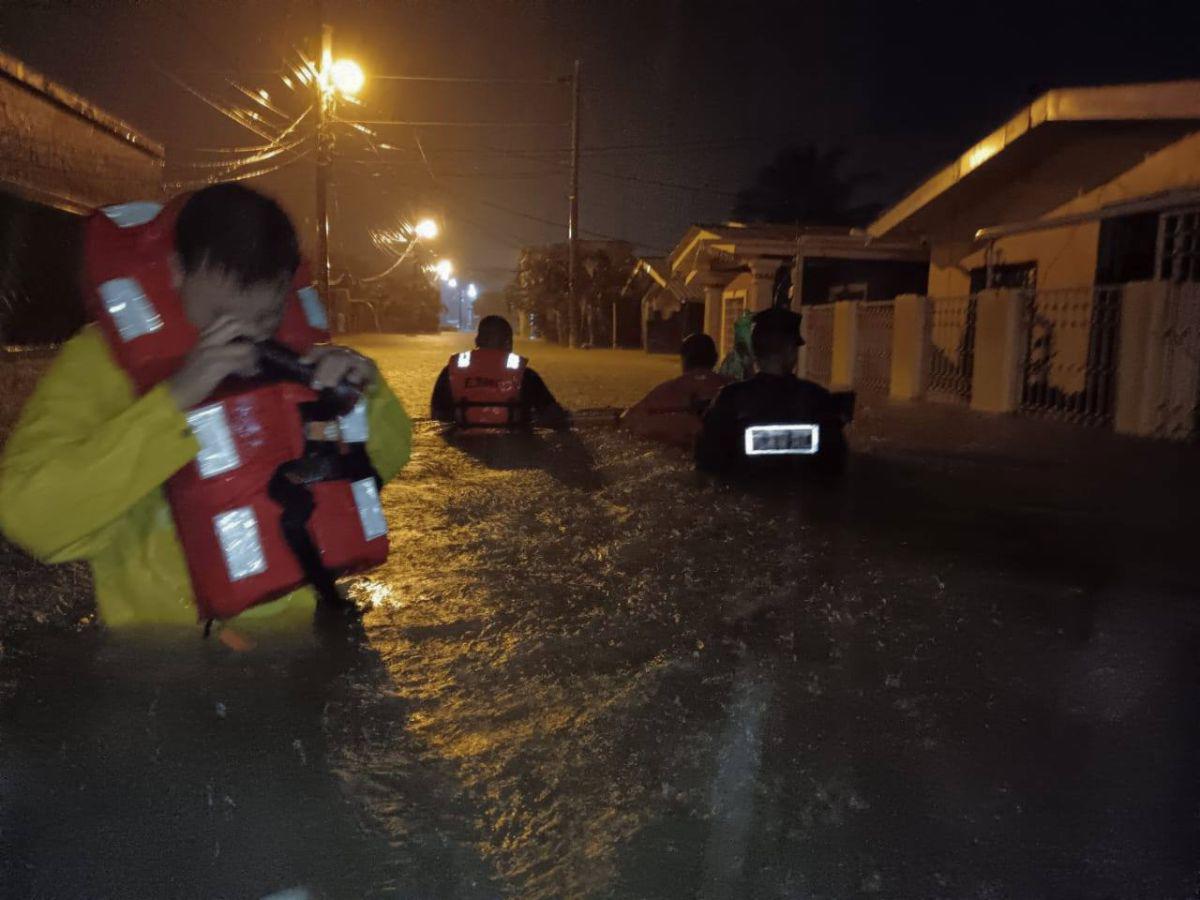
472, 291
347, 77
444, 269
426, 229
453, 283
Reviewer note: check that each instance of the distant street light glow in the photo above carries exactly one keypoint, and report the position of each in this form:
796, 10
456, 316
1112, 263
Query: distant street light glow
453, 282
426, 229
472, 291
444, 269
347, 77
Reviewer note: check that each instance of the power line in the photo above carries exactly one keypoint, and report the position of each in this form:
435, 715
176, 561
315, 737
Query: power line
448, 124
469, 80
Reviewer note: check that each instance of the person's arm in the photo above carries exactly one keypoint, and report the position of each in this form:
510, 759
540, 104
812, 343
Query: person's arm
73, 466
716, 444
441, 405
536, 397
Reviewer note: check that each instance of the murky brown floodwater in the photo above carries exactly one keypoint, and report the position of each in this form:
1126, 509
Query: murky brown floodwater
586, 672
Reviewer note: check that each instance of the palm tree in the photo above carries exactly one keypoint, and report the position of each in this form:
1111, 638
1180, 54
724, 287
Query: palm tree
805, 186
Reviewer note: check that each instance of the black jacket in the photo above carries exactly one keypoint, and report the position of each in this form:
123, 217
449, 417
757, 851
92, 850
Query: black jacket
770, 400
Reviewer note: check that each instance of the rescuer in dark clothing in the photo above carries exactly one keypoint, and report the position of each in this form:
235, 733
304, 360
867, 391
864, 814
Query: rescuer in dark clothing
514, 395
774, 422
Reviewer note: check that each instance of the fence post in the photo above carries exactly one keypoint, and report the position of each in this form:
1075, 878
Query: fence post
910, 347
845, 344
999, 351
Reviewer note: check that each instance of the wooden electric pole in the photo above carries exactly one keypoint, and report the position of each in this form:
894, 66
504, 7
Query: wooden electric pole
573, 220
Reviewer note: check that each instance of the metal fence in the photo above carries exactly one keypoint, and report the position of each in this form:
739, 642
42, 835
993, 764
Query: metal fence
1071, 354
819, 343
1177, 412
873, 363
951, 358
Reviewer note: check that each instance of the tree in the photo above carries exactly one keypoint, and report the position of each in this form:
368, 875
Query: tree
805, 186
541, 287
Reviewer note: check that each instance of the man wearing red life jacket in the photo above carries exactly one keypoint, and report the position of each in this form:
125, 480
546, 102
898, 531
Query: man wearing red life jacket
672, 411
492, 389
83, 473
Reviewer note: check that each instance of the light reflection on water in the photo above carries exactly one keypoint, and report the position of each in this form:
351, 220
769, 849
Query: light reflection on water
550, 700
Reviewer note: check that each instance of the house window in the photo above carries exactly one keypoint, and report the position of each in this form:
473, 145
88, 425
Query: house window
857, 291
1179, 246
1004, 275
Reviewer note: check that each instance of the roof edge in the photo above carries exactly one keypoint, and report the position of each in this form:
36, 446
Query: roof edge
1145, 101
35, 82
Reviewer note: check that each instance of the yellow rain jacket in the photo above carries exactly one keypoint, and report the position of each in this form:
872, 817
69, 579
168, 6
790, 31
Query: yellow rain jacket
81, 477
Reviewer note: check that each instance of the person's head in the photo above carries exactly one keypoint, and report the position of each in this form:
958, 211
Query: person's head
698, 353
236, 253
776, 340
494, 334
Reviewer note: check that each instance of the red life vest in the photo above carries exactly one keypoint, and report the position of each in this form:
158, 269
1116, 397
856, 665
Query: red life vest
274, 499
486, 387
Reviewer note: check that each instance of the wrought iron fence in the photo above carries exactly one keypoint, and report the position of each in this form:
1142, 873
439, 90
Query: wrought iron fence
1177, 414
819, 343
951, 358
1071, 354
873, 365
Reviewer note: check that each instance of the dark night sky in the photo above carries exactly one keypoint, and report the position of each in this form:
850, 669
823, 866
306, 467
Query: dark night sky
692, 93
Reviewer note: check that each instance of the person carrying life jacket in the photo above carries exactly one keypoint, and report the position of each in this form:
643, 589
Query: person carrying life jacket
492, 389
672, 411
774, 424
143, 426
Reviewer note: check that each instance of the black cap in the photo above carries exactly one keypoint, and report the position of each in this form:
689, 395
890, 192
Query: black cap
779, 320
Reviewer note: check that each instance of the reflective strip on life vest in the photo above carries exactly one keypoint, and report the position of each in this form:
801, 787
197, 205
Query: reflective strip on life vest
241, 545
783, 440
314, 309
218, 452
130, 308
513, 361
464, 359
127, 215
370, 512
353, 425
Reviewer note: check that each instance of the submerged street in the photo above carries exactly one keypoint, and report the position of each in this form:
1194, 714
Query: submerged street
585, 671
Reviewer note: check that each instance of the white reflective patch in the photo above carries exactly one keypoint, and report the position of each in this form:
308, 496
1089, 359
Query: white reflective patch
783, 440
370, 513
513, 361
354, 423
130, 308
218, 452
464, 359
127, 215
314, 309
237, 530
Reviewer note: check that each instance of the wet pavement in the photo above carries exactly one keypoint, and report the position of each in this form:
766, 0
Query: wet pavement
588, 672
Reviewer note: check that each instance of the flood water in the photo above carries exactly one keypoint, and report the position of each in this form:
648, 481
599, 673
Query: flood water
587, 672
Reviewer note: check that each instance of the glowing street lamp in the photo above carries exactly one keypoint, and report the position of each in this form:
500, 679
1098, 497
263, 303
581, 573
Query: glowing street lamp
426, 229
347, 77
444, 269
472, 291
452, 283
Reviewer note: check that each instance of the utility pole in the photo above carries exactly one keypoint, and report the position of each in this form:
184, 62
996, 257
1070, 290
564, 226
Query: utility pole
573, 220
324, 160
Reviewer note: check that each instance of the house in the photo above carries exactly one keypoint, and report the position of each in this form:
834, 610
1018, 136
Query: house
1080, 196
